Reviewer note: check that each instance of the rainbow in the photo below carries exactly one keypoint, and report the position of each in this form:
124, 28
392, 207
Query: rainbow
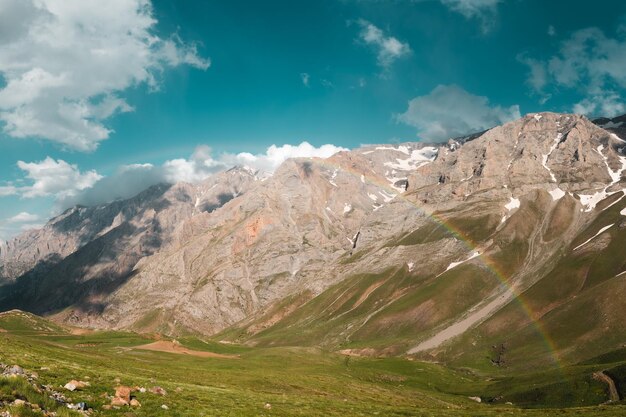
488, 263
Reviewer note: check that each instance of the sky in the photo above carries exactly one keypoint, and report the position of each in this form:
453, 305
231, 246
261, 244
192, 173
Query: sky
99, 100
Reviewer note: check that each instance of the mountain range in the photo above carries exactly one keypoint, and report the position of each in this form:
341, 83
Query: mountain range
503, 247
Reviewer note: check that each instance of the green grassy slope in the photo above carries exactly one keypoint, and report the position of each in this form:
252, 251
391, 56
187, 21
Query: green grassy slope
294, 381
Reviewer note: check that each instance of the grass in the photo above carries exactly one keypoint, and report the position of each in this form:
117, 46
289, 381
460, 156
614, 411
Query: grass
296, 381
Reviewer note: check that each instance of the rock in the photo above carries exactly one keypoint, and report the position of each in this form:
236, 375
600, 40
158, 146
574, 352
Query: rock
165, 407
158, 391
75, 385
477, 399
19, 403
107, 407
119, 402
135, 403
141, 389
14, 370
267, 406
70, 386
123, 392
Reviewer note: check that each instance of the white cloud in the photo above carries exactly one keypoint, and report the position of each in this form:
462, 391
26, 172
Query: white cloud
18, 223
69, 186
606, 103
483, 10
54, 178
132, 179
23, 217
66, 63
306, 78
449, 111
388, 48
538, 72
589, 63
6, 190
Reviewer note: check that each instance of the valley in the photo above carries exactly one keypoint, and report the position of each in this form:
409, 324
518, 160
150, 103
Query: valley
284, 381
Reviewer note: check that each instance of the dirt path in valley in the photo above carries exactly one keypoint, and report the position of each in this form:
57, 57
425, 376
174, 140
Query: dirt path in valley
602, 377
171, 347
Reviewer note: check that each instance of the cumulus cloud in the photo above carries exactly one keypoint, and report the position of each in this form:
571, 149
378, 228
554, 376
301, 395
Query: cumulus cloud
51, 177
388, 48
587, 62
18, 223
449, 111
132, 179
6, 190
66, 63
306, 78
23, 217
483, 10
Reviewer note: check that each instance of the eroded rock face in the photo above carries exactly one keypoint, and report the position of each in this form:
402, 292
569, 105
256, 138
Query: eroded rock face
545, 150
203, 257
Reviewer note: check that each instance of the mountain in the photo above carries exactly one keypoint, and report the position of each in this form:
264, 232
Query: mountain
504, 247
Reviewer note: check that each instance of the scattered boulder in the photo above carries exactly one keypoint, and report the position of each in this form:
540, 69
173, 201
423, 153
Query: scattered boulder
14, 370
118, 402
267, 406
477, 399
123, 392
135, 403
158, 391
165, 407
19, 403
75, 385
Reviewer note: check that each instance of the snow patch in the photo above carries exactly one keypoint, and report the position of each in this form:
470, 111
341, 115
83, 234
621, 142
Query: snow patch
614, 136
363, 178
605, 228
557, 194
332, 178
411, 265
373, 197
387, 196
623, 212
347, 208
455, 264
402, 148
416, 159
514, 203
545, 157
589, 201
537, 117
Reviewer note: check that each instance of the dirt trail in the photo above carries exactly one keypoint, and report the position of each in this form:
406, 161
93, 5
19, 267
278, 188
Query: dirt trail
171, 347
602, 377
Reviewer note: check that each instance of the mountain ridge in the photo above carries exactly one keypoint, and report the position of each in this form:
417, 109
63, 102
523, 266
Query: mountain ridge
373, 248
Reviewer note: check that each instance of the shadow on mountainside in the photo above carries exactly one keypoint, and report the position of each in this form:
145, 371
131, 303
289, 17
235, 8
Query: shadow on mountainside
83, 279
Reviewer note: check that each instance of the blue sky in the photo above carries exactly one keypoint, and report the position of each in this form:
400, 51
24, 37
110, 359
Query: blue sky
102, 106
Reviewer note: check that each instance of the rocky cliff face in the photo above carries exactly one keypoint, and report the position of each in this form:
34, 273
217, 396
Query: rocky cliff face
400, 248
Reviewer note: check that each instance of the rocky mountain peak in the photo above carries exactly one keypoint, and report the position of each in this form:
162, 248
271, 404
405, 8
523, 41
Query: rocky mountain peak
544, 150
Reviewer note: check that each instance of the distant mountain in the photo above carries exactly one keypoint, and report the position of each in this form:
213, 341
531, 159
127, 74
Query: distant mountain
502, 247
